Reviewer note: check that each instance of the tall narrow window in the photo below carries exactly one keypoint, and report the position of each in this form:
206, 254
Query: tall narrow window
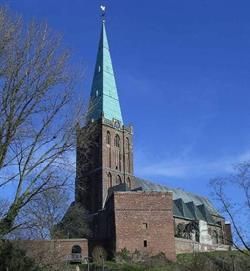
118, 179
109, 180
127, 149
108, 142
118, 162
145, 243
117, 141
108, 138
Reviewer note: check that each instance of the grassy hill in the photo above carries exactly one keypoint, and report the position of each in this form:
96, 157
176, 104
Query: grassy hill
212, 261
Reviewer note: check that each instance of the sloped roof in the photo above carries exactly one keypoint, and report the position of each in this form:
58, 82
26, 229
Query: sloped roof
104, 100
186, 204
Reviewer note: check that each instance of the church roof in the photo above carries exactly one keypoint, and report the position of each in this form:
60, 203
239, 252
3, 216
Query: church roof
104, 100
185, 204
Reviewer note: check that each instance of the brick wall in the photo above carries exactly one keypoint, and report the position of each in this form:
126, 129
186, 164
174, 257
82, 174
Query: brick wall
102, 164
144, 222
117, 163
52, 251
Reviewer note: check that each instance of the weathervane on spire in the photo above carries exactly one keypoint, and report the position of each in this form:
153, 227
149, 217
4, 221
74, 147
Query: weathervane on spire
103, 10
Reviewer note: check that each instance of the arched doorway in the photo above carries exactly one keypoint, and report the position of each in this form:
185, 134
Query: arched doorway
76, 254
76, 249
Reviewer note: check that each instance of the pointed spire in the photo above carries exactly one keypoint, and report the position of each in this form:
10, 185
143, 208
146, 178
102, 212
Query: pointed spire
104, 101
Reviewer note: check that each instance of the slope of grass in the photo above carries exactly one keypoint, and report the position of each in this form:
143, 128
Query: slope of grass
212, 261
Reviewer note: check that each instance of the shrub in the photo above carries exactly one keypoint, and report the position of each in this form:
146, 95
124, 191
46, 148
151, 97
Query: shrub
99, 254
123, 256
13, 259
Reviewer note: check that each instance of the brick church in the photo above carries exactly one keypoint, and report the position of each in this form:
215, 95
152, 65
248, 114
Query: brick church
126, 211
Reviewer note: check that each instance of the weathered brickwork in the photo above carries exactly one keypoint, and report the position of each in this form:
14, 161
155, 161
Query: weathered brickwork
117, 157
104, 159
144, 222
52, 251
133, 220
88, 185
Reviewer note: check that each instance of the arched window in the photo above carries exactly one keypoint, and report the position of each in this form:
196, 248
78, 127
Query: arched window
117, 141
129, 182
108, 138
76, 249
109, 180
128, 167
118, 179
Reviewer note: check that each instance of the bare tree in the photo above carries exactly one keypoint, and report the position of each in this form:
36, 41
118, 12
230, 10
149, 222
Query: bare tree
39, 217
4, 204
37, 116
233, 195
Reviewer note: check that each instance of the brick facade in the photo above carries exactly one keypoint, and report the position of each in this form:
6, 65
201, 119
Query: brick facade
104, 170
130, 219
104, 159
144, 222
52, 251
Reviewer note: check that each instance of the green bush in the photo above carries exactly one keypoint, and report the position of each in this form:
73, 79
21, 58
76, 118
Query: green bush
15, 259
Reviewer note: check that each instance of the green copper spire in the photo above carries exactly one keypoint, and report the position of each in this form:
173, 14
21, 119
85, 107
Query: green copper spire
104, 101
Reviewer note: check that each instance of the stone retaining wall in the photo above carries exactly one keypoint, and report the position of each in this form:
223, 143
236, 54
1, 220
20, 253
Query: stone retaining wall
189, 246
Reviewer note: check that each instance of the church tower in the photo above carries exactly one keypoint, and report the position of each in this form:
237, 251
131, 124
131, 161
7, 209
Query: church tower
104, 144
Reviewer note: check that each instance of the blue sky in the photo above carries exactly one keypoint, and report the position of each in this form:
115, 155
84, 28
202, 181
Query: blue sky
183, 75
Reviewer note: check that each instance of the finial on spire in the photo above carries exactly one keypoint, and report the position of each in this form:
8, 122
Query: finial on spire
103, 10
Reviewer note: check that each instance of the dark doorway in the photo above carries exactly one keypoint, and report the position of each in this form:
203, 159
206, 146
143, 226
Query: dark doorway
76, 249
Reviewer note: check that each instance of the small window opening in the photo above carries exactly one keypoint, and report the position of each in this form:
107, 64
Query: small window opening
99, 68
145, 226
108, 138
96, 93
145, 243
